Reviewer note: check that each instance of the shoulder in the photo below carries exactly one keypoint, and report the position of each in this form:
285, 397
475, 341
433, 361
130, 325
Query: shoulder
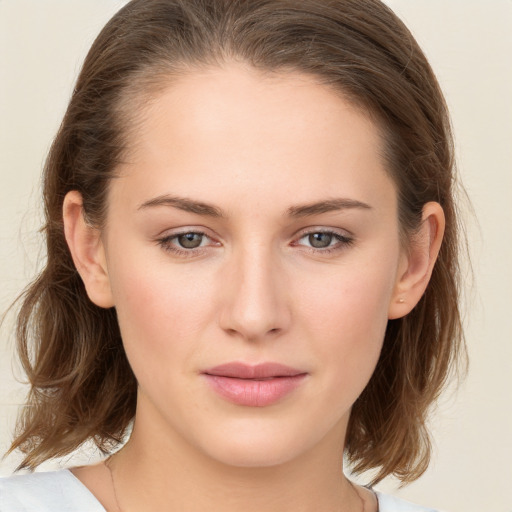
54, 491
388, 503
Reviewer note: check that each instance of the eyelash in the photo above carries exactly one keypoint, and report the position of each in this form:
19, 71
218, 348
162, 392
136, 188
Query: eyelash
166, 243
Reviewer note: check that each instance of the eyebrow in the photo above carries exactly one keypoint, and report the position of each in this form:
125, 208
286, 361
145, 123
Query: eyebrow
298, 211
185, 204
329, 205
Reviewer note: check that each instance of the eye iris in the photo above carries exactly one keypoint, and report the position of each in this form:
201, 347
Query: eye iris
320, 240
190, 240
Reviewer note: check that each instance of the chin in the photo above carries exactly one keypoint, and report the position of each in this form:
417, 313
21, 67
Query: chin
254, 454
258, 445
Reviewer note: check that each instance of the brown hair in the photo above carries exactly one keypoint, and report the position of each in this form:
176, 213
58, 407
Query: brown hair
82, 387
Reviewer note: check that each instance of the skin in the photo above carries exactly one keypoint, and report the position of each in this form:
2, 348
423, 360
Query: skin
255, 290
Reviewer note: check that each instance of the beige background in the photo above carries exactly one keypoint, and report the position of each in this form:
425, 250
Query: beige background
469, 42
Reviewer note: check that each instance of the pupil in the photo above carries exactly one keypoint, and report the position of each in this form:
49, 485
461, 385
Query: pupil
320, 240
190, 240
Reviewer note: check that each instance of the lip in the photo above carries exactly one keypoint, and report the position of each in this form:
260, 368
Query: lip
253, 385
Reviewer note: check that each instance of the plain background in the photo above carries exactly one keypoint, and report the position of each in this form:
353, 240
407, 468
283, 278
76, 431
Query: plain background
469, 43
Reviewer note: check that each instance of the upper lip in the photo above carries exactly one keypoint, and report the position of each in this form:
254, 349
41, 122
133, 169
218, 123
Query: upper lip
259, 371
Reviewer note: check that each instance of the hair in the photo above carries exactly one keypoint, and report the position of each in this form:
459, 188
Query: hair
81, 385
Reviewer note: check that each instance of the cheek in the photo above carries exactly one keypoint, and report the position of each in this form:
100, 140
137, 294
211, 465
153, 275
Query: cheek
347, 320
161, 311
350, 300
168, 312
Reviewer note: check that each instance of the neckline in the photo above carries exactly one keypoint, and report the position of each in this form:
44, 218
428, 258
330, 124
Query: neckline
101, 508
85, 489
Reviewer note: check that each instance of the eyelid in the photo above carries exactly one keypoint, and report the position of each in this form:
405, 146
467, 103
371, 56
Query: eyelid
165, 241
324, 229
344, 239
194, 228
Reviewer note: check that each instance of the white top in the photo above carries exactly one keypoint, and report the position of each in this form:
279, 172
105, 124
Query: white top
61, 491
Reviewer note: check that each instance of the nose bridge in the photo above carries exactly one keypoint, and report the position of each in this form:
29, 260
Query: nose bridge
255, 305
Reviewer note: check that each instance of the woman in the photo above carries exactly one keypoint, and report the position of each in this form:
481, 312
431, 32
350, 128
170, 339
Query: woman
252, 260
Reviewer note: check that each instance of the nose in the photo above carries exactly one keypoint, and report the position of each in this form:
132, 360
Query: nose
255, 305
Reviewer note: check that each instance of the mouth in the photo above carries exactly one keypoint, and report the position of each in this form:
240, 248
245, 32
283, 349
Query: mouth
253, 385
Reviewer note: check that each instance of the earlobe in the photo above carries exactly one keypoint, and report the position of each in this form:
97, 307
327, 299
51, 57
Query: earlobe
87, 251
416, 266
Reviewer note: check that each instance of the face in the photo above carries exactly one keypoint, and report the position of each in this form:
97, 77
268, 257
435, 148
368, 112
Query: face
253, 224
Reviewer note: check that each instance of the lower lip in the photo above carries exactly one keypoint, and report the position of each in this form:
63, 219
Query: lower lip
252, 392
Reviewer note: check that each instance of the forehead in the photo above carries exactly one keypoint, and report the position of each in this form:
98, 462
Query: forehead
235, 128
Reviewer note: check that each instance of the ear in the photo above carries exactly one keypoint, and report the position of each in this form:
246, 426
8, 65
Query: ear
416, 265
87, 251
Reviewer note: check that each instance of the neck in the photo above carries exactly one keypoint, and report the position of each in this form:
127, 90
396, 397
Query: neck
155, 472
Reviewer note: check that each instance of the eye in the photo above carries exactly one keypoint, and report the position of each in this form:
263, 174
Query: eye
193, 243
324, 241
186, 243
190, 240
320, 240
